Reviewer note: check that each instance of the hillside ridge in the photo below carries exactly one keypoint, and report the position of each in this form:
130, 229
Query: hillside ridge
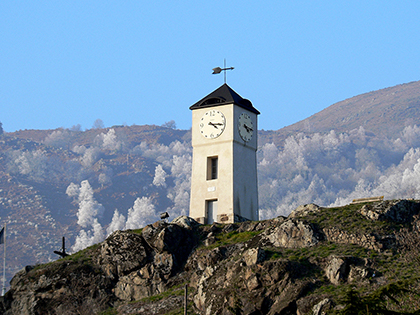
383, 112
315, 261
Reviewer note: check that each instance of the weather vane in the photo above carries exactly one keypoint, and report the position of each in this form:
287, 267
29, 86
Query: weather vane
218, 70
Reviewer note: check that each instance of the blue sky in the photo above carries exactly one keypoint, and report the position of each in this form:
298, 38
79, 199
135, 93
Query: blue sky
65, 63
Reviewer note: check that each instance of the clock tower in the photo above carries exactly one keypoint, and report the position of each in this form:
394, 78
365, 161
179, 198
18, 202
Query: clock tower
224, 184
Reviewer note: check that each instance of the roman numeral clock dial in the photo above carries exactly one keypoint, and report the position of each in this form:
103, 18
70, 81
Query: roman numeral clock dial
212, 124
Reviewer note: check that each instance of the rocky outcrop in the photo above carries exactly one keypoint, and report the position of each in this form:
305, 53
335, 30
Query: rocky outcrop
126, 266
394, 210
370, 241
67, 287
336, 270
293, 233
167, 245
122, 253
304, 210
254, 256
185, 222
322, 307
342, 269
268, 267
268, 287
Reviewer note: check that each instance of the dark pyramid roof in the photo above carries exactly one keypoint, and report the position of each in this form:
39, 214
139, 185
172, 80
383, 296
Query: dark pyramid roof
222, 96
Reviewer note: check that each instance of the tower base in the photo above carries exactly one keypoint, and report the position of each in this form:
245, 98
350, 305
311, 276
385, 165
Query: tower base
223, 218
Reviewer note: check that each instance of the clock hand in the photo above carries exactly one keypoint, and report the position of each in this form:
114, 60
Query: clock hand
248, 129
215, 124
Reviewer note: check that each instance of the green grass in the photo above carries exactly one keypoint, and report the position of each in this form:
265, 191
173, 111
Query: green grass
110, 311
321, 250
177, 290
163, 295
236, 237
225, 239
394, 298
348, 219
83, 256
136, 231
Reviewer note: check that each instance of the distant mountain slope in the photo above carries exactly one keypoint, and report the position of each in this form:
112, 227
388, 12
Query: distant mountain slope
135, 134
384, 112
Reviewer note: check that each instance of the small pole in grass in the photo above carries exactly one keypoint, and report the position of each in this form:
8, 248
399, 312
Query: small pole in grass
186, 299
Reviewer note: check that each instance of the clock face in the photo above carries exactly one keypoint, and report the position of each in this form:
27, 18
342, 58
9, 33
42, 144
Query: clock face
245, 127
212, 124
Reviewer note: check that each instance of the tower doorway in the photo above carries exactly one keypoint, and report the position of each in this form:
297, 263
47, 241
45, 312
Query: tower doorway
211, 211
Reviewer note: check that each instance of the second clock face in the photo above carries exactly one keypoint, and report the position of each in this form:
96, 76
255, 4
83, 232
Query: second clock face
245, 127
212, 124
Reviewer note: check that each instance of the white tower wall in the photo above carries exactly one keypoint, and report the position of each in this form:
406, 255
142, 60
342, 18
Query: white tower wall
236, 188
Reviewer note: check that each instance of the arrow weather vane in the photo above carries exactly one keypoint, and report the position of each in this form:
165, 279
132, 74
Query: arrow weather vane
217, 70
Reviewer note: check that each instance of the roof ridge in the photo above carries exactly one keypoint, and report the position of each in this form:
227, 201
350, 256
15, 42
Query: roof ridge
222, 96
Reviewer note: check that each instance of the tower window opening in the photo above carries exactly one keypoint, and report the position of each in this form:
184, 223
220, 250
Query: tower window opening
212, 167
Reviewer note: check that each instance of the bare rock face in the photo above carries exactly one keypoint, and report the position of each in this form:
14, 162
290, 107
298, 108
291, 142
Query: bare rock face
185, 222
293, 233
322, 307
170, 238
158, 307
235, 288
304, 210
146, 282
359, 273
65, 288
395, 210
141, 264
347, 269
254, 256
122, 253
166, 246
376, 242
337, 270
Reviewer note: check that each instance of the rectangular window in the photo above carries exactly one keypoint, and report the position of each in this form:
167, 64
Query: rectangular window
212, 167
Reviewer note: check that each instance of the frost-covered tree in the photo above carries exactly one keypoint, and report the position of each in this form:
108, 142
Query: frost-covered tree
89, 208
141, 214
160, 176
332, 169
117, 222
179, 193
109, 140
59, 138
87, 215
89, 237
90, 157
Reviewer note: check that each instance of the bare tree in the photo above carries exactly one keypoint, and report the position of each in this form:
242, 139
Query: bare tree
170, 124
77, 127
98, 124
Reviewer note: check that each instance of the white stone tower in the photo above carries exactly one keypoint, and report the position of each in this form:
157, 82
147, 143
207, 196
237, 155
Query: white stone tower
224, 184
